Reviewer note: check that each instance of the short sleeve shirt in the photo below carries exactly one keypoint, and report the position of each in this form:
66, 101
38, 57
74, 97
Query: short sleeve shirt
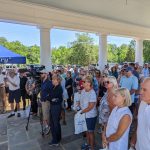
104, 110
143, 130
16, 81
85, 99
129, 83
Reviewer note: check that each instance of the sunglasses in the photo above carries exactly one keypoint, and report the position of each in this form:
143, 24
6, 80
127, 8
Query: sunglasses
86, 81
107, 82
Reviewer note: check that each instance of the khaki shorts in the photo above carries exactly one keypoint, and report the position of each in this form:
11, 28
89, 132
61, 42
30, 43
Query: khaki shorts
2, 93
45, 110
2, 96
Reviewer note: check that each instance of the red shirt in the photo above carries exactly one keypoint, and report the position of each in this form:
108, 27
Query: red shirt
81, 84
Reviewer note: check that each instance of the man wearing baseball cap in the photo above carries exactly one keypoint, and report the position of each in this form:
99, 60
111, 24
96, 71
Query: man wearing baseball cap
131, 83
46, 87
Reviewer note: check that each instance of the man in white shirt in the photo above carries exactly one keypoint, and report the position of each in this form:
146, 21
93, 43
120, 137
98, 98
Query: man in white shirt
14, 91
2, 92
143, 129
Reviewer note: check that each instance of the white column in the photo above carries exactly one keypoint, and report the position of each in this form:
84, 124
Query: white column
45, 49
139, 51
102, 51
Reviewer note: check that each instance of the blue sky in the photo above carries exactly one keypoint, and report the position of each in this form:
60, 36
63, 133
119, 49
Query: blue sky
30, 35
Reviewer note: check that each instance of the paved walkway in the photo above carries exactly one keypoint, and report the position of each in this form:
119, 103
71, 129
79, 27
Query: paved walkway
13, 135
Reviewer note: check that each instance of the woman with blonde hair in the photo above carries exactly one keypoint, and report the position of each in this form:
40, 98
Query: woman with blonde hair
120, 119
88, 106
56, 99
106, 103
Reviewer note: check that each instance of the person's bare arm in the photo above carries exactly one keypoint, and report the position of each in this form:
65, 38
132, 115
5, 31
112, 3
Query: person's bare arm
132, 91
33, 87
2, 84
123, 125
90, 107
26, 87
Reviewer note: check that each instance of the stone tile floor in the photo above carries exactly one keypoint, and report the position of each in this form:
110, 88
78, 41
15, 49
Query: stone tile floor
13, 135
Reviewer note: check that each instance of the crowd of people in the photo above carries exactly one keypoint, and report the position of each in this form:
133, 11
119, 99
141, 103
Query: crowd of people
117, 98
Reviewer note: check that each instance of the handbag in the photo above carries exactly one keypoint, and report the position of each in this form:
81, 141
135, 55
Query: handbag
80, 123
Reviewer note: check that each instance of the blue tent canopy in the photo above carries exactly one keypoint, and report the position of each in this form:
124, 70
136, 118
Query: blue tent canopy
9, 57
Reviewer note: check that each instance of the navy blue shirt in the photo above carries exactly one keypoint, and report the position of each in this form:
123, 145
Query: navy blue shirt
46, 89
56, 95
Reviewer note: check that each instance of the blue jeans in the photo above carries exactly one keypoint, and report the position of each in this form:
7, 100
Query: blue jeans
55, 113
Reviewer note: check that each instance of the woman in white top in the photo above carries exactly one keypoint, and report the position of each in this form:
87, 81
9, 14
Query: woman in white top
88, 106
118, 126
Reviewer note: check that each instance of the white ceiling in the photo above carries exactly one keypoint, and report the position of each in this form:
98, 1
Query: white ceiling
134, 12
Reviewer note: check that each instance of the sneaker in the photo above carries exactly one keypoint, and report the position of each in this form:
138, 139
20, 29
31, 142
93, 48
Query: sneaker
47, 130
53, 144
100, 130
4, 111
34, 114
15, 109
11, 115
18, 115
84, 146
69, 109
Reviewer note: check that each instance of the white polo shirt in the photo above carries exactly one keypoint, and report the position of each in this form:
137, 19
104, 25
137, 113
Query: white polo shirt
15, 80
143, 130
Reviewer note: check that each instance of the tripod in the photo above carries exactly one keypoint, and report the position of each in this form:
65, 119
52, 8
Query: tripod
40, 116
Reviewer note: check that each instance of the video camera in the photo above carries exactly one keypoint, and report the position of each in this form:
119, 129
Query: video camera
33, 72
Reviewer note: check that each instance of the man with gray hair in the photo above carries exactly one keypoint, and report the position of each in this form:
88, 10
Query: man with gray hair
14, 91
143, 129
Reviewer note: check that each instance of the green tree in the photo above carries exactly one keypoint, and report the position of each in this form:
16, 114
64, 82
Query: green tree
3, 40
130, 55
83, 50
146, 50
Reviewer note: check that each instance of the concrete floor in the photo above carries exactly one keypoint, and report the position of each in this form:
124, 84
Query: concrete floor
13, 135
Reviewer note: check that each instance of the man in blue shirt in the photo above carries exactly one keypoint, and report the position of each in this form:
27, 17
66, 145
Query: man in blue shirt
131, 83
46, 87
145, 71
